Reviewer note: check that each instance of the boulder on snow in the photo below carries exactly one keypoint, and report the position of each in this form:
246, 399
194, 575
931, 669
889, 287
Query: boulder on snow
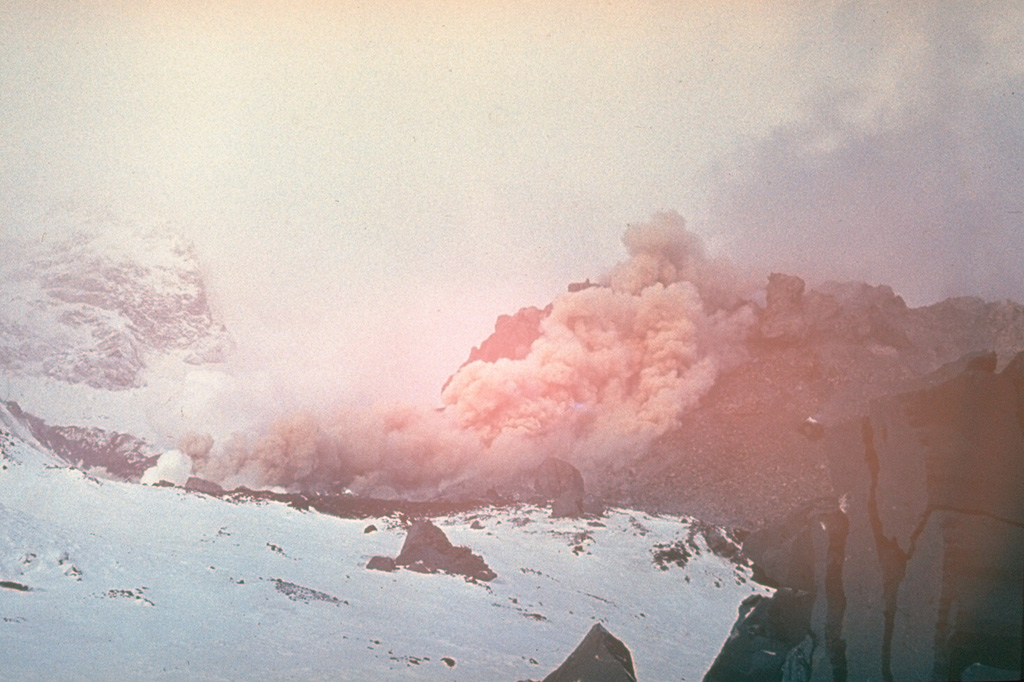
562, 483
201, 485
428, 550
600, 657
381, 563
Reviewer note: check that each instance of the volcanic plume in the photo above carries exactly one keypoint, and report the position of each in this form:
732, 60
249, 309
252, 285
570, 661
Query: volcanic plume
612, 367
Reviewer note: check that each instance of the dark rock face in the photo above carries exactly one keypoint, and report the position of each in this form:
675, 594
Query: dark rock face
761, 640
936, 547
428, 550
917, 574
120, 454
600, 657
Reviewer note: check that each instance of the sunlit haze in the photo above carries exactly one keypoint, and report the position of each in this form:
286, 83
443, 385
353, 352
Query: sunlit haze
369, 185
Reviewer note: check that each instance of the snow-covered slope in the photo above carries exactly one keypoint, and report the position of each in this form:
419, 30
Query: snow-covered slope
104, 579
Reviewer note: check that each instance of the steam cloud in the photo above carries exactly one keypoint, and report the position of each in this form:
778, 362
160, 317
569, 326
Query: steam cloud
614, 366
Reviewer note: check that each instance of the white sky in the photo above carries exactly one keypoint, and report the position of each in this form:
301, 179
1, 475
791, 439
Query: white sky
370, 184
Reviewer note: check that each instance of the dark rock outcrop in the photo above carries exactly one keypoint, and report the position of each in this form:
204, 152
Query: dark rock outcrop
562, 483
917, 573
121, 454
760, 642
600, 657
381, 563
513, 335
201, 485
428, 550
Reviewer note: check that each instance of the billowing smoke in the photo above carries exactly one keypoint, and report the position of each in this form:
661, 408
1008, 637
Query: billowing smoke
613, 366
173, 467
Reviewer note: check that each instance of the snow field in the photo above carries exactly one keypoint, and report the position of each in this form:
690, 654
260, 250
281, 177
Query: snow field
135, 582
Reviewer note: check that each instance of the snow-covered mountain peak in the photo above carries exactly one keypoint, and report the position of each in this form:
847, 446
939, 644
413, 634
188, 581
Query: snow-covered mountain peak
87, 301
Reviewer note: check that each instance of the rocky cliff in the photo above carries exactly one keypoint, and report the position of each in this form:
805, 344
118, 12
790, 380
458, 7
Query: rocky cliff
914, 571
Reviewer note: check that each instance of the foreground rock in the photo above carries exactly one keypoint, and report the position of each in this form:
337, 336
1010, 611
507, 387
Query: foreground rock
428, 550
600, 657
916, 573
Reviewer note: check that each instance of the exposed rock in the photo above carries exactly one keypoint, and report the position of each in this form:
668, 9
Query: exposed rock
513, 335
201, 485
381, 563
917, 574
87, 309
555, 478
760, 642
600, 657
122, 455
567, 506
936, 546
428, 550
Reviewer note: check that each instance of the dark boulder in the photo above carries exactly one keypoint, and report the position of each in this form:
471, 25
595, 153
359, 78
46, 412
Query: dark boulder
600, 657
428, 550
381, 563
201, 485
561, 483
556, 477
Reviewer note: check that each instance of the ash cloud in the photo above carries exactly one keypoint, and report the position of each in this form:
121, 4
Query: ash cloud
905, 169
613, 367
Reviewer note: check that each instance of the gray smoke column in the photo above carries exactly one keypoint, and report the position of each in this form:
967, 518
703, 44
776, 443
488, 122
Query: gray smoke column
614, 366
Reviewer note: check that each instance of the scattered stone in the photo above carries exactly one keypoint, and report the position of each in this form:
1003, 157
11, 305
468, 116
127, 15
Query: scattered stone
370, 529
448, 661
303, 594
600, 657
381, 563
476, 525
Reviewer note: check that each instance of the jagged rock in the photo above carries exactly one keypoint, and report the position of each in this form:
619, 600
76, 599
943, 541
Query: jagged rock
201, 485
600, 657
381, 563
767, 630
513, 335
428, 550
121, 454
83, 310
783, 320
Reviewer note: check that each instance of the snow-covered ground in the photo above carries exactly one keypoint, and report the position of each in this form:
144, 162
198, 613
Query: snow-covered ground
134, 582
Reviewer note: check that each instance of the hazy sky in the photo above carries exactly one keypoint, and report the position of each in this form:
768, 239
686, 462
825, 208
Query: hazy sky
370, 184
